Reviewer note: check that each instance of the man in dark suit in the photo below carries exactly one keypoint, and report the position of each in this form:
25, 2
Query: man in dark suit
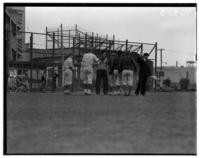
144, 73
102, 74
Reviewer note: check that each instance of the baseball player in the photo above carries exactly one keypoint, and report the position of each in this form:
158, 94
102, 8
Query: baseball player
115, 73
12, 81
110, 75
127, 66
68, 74
88, 61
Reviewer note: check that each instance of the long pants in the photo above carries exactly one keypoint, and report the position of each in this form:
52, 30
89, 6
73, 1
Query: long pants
54, 85
102, 75
141, 86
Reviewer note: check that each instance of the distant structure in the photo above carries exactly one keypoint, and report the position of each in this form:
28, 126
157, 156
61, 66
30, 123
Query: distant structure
190, 63
176, 73
15, 43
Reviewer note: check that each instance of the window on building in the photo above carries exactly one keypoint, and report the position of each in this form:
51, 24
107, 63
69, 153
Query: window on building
14, 55
14, 29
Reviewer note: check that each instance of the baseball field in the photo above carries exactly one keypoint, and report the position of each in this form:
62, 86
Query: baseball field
50, 123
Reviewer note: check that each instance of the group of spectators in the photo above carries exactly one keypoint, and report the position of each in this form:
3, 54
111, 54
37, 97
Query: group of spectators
115, 73
18, 83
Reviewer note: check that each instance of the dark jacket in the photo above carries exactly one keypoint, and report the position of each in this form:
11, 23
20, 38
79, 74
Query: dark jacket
115, 64
127, 63
144, 67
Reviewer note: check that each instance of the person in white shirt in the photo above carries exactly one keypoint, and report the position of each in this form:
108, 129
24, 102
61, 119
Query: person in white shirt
12, 84
88, 61
68, 74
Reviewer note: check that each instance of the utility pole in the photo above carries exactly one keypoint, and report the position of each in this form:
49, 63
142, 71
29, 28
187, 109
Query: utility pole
161, 56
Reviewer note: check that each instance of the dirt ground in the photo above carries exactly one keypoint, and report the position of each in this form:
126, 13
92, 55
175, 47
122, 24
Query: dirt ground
49, 123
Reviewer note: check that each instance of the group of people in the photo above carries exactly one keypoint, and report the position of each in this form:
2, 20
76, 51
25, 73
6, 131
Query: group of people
115, 72
18, 83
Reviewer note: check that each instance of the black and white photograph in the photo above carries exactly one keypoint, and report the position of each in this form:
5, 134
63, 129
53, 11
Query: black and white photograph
100, 79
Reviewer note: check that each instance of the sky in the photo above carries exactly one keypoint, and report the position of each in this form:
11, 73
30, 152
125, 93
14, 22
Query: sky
173, 28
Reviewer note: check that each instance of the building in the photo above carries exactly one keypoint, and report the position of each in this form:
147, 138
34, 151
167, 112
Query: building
175, 74
15, 42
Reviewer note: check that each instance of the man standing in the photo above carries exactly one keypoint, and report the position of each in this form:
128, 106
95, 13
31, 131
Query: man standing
110, 75
115, 73
27, 82
55, 75
43, 82
127, 66
88, 61
144, 73
102, 75
68, 74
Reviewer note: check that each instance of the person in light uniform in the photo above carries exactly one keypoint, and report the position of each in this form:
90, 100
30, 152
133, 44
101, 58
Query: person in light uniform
68, 74
88, 62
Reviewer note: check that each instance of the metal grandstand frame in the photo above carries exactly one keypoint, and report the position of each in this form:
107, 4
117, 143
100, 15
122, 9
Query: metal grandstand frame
76, 38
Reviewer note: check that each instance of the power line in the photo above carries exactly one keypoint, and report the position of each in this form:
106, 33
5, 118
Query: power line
178, 52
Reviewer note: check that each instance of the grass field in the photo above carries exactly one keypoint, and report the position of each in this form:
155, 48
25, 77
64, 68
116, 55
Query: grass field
159, 123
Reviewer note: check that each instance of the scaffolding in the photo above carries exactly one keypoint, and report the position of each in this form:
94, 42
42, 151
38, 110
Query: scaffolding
79, 39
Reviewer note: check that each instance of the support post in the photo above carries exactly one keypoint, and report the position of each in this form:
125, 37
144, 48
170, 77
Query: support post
99, 44
31, 59
79, 60
92, 44
156, 47
96, 40
85, 43
69, 38
161, 59
58, 35
110, 45
76, 34
74, 38
106, 42
113, 42
53, 60
46, 37
126, 46
62, 54
141, 52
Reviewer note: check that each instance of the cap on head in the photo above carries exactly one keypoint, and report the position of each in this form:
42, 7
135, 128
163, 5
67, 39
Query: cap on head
146, 54
119, 52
